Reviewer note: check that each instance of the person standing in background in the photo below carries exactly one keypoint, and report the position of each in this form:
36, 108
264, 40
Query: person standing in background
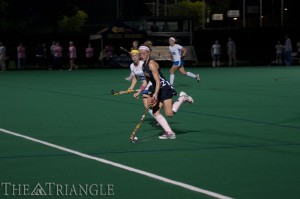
52, 52
2, 57
21, 55
72, 56
216, 54
135, 45
89, 55
231, 52
288, 51
57, 56
278, 50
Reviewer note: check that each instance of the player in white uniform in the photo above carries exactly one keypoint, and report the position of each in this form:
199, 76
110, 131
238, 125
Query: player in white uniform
137, 74
216, 53
178, 52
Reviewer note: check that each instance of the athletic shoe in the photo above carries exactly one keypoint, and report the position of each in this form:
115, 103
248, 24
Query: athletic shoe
198, 78
167, 135
187, 98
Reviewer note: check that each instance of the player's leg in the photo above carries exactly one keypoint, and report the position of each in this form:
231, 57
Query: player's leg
71, 64
189, 74
172, 75
214, 60
168, 132
183, 98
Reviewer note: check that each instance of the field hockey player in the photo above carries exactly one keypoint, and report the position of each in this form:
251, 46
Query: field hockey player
137, 74
161, 93
178, 53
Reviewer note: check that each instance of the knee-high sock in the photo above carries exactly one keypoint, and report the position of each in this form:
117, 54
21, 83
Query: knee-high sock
177, 104
172, 77
191, 74
163, 123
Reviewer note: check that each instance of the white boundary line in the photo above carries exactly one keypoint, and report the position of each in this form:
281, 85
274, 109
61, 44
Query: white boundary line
144, 173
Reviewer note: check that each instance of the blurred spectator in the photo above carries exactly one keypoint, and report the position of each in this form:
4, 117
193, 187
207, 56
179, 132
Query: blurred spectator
231, 52
45, 55
72, 56
288, 51
298, 50
89, 54
216, 54
278, 50
106, 56
52, 52
21, 51
2, 57
39, 55
135, 45
57, 62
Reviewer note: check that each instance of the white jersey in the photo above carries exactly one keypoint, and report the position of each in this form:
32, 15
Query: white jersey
278, 48
138, 72
176, 52
216, 49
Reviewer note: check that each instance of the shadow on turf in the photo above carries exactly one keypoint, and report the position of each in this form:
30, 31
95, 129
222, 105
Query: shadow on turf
178, 133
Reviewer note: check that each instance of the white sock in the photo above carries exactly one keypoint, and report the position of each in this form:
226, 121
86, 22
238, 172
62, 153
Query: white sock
163, 123
150, 111
191, 74
177, 104
172, 77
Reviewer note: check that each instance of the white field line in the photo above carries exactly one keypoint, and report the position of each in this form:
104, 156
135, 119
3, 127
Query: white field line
144, 173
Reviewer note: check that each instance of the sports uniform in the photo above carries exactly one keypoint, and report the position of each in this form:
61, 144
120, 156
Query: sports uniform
163, 96
166, 89
138, 72
178, 52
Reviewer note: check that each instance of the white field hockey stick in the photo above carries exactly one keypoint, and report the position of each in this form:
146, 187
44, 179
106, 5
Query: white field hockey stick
132, 136
113, 92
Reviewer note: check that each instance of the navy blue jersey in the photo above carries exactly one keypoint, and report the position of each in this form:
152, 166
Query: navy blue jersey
166, 89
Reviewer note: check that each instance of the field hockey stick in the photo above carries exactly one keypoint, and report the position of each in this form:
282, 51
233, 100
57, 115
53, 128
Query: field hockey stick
132, 136
124, 49
113, 92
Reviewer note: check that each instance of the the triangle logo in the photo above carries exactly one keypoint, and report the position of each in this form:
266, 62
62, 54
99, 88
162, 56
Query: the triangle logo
38, 191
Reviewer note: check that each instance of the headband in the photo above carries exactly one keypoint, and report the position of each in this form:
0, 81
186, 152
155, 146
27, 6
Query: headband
172, 38
135, 52
144, 48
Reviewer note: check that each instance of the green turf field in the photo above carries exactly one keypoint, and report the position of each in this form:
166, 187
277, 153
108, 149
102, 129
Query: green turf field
240, 139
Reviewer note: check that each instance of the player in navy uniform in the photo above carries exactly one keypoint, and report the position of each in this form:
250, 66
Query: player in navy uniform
160, 93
